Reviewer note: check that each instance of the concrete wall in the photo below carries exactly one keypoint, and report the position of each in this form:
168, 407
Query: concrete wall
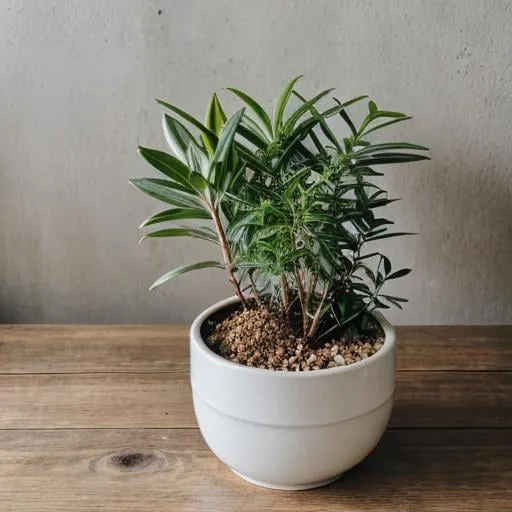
76, 97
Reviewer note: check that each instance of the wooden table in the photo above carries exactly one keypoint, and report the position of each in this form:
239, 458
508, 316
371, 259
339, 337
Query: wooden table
100, 418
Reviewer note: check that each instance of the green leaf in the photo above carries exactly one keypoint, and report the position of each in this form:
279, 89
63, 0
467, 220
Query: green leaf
397, 299
321, 121
316, 141
293, 145
380, 304
197, 160
252, 136
366, 256
373, 116
383, 125
183, 269
177, 136
352, 101
377, 203
255, 107
251, 125
173, 168
394, 302
215, 116
365, 171
375, 232
282, 102
381, 222
250, 218
387, 235
175, 214
399, 273
303, 109
166, 191
227, 136
390, 158
254, 163
202, 234
219, 174
209, 138
346, 118
369, 272
372, 107
387, 264
389, 145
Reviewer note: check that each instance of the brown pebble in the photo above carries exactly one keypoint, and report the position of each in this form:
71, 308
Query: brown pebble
262, 337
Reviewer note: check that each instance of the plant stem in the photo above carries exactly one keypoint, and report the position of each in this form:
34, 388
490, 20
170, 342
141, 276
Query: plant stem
254, 290
285, 294
302, 299
226, 254
318, 312
312, 287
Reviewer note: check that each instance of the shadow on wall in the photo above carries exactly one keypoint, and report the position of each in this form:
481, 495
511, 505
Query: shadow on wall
465, 222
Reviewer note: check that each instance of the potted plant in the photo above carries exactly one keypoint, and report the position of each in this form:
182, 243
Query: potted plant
293, 377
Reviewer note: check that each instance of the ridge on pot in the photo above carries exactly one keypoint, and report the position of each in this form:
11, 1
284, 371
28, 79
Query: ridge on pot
291, 430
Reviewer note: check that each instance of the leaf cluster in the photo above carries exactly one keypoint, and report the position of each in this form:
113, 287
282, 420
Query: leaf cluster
294, 208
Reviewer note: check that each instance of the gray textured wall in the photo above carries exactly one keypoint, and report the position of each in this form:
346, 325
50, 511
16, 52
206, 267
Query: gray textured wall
76, 95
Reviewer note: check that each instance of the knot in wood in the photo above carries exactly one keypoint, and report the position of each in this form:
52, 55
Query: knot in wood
129, 460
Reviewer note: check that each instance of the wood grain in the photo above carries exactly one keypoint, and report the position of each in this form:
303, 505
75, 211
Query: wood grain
173, 470
160, 400
92, 348
455, 348
100, 418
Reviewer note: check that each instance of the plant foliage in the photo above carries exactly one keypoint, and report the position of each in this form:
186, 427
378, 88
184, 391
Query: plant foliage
293, 207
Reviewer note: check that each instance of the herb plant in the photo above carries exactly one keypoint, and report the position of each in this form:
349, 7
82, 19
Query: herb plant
291, 205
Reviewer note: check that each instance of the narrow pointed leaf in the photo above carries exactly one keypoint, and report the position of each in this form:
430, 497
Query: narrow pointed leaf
389, 158
166, 191
197, 160
387, 235
198, 233
253, 162
322, 123
282, 102
255, 107
351, 102
349, 122
252, 136
305, 107
183, 269
383, 125
177, 136
170, 166
387, 264
397, 299
318, 145
254, 127
175, 214
227, 136
390, 146
209, 138
392, 301
215, 116
399, 273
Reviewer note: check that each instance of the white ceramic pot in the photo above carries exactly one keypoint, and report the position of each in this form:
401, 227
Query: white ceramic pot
291, 430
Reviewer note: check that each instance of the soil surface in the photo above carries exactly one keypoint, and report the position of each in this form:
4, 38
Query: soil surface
263, 338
